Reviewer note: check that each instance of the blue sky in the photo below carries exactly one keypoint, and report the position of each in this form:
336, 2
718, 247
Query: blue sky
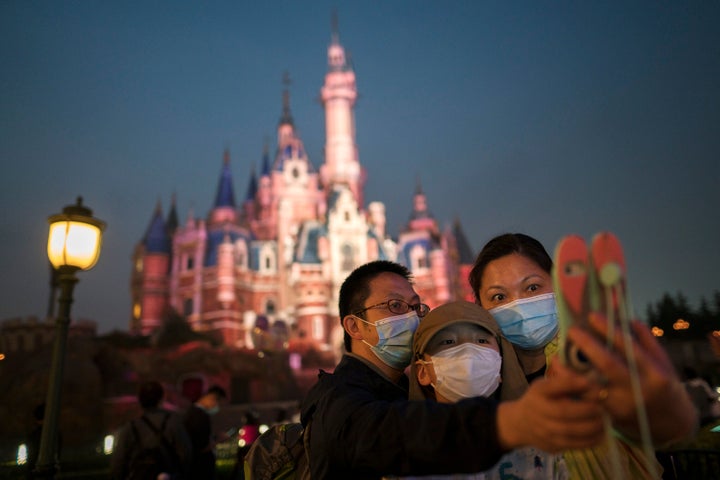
547, 118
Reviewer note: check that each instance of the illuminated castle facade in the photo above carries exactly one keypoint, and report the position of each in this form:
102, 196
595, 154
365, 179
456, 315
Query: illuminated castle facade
276, 260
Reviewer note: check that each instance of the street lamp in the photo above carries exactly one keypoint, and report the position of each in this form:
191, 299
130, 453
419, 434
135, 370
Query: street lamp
73, 244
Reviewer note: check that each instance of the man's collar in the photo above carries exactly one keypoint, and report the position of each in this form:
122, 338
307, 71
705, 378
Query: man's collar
375, 368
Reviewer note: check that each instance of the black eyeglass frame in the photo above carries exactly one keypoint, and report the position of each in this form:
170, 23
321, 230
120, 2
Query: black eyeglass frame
420, 308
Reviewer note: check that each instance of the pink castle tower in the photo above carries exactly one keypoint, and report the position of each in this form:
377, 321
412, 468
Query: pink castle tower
149, 285
338, 96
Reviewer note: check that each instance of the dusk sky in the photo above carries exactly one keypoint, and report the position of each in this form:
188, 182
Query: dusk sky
547, 118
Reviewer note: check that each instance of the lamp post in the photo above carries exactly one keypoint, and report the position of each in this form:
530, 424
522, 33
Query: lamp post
73, 244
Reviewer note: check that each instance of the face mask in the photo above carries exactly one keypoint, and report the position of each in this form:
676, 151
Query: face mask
213, 410
394, 347
466, 370
528, 323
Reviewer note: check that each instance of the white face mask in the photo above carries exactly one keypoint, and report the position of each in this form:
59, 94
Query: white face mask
466, 370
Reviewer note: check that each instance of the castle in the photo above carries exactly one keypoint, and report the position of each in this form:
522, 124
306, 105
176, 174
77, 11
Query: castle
276, 260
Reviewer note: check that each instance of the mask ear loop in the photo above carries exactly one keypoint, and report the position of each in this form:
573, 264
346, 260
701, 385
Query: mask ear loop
430, 387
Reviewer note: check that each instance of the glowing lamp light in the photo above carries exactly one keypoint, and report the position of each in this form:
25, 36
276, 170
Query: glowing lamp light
657, 331
22, 454
108, 444
75, 237
681, 324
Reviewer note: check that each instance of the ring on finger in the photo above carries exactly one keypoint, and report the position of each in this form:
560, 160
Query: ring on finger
603, 394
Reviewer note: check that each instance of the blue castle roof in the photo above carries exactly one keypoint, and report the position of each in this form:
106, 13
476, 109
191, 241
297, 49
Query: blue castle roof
225, 196
156, 239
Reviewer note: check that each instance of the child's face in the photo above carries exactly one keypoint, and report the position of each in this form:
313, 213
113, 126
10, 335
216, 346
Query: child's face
458, 333
447, 338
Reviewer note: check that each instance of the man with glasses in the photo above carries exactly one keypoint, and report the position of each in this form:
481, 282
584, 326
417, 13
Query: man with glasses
361, 424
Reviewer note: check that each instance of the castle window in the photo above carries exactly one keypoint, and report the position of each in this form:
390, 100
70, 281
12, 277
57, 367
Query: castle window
295, 172
190, 263
187, 307
267, 262
270, 307
318, 328
418, 258
241, 254
348, 258
347, 216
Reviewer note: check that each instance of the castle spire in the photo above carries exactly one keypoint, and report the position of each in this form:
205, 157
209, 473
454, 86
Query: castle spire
286, 117
156, 239
252, 186
336, 52
225, 196
465, 252
265, 167
286, 127
172, 218
335, 31
418, 186
420, 209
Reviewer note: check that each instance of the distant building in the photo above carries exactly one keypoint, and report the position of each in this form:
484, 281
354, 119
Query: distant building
275, 261
30, 334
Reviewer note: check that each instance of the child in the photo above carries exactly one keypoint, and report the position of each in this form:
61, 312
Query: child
459, 352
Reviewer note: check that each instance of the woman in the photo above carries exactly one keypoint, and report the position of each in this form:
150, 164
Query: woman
512, 278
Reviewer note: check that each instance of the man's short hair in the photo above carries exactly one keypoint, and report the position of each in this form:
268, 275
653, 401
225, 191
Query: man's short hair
506, 244
218, 391
355, 290
150, 394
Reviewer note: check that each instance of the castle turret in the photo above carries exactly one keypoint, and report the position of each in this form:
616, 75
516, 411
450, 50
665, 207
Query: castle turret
224, 208
338, 96
420, 217
226, 273
463, 257
150, 279
249, 204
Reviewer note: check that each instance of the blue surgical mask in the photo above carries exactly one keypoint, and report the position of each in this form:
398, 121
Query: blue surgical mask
394, 347
529, 323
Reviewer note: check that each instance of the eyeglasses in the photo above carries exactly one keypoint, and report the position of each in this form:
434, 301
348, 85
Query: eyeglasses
399, 307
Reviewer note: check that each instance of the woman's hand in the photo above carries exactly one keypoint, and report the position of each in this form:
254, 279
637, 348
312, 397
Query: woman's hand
555, 413
670, 412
